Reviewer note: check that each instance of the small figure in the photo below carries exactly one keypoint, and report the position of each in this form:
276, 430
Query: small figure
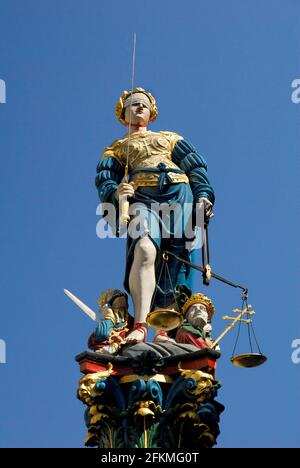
196, 329
160, 168
110, 333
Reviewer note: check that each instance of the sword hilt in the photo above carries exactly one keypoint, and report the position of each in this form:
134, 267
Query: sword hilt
124, 210
205, 255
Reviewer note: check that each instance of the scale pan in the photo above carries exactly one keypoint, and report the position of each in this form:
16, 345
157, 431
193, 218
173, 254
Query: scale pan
164, 319
248, 360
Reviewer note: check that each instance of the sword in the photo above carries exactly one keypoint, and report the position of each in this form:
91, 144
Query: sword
124, 203
82, 306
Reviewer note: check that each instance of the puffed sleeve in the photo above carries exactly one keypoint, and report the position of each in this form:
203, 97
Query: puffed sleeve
109, 175
195, 167
101, 334
103, 330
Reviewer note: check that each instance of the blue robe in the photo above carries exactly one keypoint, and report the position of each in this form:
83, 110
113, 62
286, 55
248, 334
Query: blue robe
110, 174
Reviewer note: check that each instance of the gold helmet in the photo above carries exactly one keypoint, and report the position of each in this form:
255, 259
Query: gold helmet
119, 109
199, 299
108, 296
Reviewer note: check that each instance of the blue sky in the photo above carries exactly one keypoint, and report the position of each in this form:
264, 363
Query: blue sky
221, 73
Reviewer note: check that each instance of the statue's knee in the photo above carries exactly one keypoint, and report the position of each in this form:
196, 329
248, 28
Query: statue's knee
145, 250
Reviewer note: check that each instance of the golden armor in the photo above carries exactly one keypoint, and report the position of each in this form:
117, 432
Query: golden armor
146, 150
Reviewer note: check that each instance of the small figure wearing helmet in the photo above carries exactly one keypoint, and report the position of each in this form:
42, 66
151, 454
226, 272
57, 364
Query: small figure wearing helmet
111, 331
163, 170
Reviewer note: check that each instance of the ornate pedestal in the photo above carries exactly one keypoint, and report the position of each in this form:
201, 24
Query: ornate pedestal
151, 396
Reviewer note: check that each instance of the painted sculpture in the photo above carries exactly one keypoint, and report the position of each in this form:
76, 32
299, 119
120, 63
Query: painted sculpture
162, 171
161, 393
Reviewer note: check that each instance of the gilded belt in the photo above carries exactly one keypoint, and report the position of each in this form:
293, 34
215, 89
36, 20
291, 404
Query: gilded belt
162, 170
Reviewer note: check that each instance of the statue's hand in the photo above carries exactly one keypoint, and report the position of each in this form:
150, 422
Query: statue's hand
108, 313
124, 190
208, 206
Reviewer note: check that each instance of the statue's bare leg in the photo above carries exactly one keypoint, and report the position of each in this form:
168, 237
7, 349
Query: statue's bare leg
142, 285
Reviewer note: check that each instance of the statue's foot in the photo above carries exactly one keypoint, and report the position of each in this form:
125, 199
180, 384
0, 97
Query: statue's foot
163, 337
137, 335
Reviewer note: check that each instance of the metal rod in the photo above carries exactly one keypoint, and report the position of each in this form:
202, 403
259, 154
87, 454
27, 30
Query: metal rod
214, 275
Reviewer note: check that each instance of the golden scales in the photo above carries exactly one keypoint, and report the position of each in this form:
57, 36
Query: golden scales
170, 318
164, 319
246, 359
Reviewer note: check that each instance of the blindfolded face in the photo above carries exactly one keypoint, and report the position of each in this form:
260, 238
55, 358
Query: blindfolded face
137, 109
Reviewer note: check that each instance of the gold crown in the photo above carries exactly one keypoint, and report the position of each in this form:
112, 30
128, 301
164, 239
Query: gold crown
120, 104
199, 299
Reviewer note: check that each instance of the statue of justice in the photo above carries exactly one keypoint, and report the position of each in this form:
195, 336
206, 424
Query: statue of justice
143, 394
146, 169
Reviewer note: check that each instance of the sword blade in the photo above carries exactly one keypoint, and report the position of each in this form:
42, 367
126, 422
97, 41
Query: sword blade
82, 306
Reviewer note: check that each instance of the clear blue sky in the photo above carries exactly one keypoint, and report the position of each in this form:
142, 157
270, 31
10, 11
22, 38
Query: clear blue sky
221, 72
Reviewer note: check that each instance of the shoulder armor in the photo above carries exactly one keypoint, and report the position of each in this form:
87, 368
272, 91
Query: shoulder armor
172, 137
113, 151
